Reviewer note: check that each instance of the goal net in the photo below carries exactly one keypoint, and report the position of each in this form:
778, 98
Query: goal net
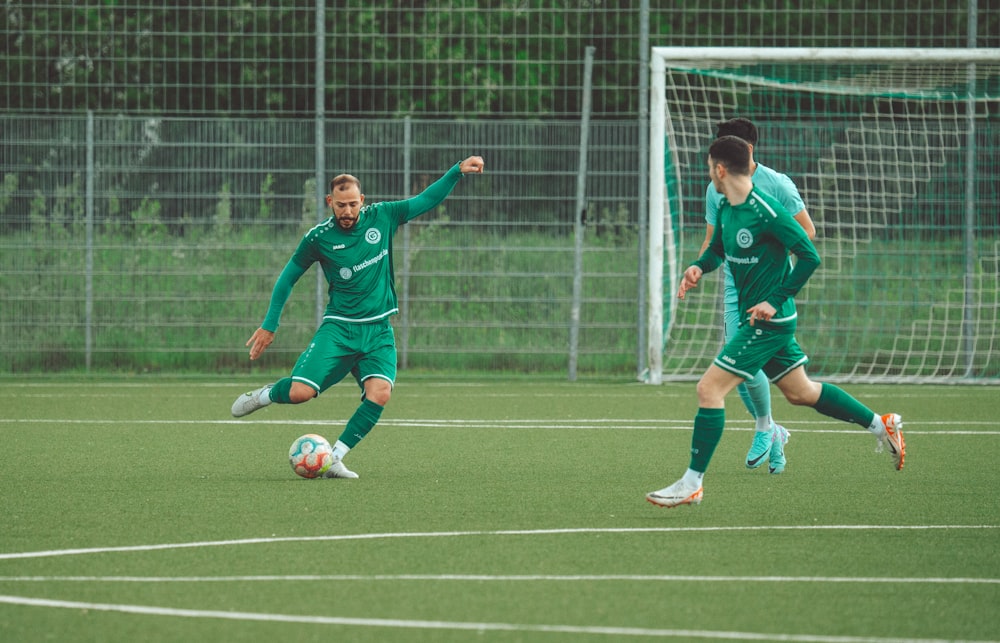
896, 153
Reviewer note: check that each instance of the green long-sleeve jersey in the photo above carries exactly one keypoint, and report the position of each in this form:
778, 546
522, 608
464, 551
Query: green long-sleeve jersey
754, 239
357, 263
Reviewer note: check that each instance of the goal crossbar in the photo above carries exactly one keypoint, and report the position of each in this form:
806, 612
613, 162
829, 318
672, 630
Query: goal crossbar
663, 55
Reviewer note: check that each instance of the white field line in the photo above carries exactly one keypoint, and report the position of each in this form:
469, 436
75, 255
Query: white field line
472, 626
456, 534
446, 625
532, 424
484, 388
510, 578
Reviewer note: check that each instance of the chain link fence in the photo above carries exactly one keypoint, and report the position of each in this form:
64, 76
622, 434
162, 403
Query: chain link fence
159, 164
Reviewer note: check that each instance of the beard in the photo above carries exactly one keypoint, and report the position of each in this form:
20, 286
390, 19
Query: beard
346, 223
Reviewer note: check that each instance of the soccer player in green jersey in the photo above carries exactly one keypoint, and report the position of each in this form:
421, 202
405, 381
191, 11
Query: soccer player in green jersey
769, 439
354, 249
754, 235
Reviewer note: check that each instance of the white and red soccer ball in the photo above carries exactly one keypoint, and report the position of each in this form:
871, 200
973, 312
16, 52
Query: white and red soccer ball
310, 456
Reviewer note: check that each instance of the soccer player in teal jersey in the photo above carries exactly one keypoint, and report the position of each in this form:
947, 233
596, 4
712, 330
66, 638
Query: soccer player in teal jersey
354, 249
769, 437
754, 235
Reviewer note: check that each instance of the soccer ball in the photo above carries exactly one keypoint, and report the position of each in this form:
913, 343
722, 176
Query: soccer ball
310, 456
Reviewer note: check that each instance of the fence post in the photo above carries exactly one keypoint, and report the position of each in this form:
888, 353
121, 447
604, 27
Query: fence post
320, 143
642, 210
581, 205
968, 323
89, 269
404, 297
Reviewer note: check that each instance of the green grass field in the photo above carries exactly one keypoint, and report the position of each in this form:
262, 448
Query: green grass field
487, 510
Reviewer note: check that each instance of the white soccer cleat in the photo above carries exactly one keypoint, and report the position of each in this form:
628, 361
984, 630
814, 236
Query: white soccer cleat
338, 470
679, 493
893, 438
249, 402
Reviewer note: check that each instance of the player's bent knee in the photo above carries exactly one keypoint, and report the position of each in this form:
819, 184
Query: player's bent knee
710, 396
379, 397
801, 396
378, 391
796, 400
300, 393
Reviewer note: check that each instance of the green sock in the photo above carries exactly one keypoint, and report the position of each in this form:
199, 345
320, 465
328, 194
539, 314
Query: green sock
708, 425
279, 392
361, 423
837, 403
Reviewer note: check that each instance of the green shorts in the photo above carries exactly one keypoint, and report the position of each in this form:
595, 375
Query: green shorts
338, 348
768, 347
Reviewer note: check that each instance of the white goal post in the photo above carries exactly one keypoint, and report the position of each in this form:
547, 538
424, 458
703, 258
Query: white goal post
857, 127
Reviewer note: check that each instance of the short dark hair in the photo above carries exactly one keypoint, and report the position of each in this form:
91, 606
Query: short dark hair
341, 180
732, 152
741, 127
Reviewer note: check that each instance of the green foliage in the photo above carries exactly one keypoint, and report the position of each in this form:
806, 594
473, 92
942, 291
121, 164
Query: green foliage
156, 293
309, 205
223, 212
62, 214
7, 189
454, 57
147, 223
37, 213
266, 198
475, 302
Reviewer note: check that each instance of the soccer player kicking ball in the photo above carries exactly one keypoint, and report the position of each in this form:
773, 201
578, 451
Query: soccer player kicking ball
754, 234
354, 249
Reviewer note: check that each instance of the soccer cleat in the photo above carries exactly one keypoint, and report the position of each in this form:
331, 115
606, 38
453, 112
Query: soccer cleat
675, 495
760, 448
893, 438
779, 438
249, 402
338, 470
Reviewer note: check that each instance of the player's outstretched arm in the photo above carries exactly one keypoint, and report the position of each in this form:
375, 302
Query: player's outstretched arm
436, 192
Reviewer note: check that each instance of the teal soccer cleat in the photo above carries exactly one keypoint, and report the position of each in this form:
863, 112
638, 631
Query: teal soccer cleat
760, 448
779, 438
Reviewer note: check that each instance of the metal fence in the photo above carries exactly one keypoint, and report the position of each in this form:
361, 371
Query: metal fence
138, 243
159, 162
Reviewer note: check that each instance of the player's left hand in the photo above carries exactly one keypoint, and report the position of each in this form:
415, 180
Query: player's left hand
260, 340
762, 311
690, 280
472, 165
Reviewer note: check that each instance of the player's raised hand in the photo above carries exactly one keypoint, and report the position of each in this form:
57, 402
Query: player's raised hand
260, 340
472, 165
689, 280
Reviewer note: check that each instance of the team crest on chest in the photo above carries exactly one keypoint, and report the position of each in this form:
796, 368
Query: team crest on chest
373, 235
744, 238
